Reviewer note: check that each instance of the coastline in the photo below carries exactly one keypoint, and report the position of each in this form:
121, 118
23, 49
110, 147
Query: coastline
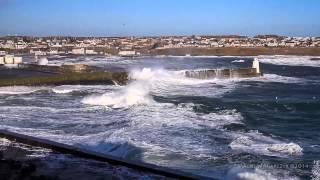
195, 51
229, 51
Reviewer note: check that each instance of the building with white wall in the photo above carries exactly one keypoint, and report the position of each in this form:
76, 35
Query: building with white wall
78, 51
1, 60
10, 59
127, 53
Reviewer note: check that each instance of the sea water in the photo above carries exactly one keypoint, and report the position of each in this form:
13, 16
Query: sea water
252, 128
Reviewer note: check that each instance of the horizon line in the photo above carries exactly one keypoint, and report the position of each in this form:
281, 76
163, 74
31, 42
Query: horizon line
150, 36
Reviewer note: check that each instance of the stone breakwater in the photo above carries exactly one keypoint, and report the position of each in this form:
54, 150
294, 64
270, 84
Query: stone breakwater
223, 73
62, 75
86, 75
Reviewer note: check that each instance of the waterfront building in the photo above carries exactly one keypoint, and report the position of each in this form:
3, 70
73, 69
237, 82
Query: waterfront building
78, 51
127, 53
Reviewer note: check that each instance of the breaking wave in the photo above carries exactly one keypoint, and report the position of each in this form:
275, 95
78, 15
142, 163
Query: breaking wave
255, 142
148, 82
64, 89
238, 61
136, 93
238, 173
277, 78
290, 60
11, 90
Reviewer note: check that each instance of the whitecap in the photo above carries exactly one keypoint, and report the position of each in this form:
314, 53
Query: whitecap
255, 142
134, 94
316, 170
238, 173
277, 79
290, 148
238, 61
163, 82
65, 89
12, 90
290, 60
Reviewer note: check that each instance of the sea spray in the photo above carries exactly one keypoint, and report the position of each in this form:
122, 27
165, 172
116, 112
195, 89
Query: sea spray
158, 81
135, 93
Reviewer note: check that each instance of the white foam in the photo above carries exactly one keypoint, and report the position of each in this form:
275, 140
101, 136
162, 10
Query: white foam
256, 175
276, 78
290, 60
238, 173
316, 170
136, 93
158, 120
4, 142
65, 89
20, 89
255, 142
166, 83
238, 61
158, 82
290, 148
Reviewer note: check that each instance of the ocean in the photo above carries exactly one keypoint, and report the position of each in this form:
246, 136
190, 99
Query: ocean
250, 128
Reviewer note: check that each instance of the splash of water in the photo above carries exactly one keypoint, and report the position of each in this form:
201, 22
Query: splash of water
136, 93
157, 81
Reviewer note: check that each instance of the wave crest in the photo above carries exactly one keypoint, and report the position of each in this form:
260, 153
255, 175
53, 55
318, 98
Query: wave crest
135, 93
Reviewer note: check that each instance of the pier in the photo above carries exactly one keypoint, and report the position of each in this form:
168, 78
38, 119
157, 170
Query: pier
227, 73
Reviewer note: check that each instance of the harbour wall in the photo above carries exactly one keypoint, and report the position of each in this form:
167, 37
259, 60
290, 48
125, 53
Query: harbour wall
83, 74
83, 153
223, 73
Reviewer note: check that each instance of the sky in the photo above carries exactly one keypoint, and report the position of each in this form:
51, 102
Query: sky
159, 17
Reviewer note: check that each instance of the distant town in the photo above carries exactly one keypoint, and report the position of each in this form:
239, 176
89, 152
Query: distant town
135, 46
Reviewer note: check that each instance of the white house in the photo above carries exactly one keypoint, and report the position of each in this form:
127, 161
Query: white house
127, 53
78, 51
9, 59
91, 51
1, 60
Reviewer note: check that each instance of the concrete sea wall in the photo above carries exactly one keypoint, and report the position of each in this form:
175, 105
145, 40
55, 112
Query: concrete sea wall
223, 73
69, 79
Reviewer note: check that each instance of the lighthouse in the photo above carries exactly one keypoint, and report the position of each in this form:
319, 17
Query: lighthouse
256, 65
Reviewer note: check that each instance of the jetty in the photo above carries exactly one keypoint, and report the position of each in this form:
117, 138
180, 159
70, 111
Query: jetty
41, 73
254, 71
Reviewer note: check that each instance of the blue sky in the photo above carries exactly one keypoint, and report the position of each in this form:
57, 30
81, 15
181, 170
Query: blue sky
159, 17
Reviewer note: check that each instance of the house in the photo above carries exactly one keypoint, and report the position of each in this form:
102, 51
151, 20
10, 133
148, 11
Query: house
2, 53
10, 59
127, 53
91, 52
78, 51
